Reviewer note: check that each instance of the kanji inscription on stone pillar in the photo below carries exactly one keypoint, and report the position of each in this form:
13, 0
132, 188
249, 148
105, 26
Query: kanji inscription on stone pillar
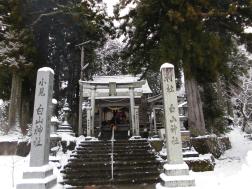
40, 141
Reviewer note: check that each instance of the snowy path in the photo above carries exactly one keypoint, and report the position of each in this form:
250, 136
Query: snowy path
232, 170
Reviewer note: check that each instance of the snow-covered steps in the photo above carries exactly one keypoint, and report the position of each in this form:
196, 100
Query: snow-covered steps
134, 162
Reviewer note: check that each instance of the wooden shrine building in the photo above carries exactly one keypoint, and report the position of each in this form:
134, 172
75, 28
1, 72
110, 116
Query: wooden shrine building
113, 100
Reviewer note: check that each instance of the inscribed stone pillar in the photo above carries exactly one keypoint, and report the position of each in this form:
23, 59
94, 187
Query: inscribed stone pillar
88, 121
171, 116
137, 133
41, 118
40, 174
176, 172
132, 105
92, 110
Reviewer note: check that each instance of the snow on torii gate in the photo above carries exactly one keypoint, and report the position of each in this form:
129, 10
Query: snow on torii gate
112, 86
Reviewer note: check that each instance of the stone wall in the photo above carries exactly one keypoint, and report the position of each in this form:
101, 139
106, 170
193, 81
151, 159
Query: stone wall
211, 144
19, 148
22, 148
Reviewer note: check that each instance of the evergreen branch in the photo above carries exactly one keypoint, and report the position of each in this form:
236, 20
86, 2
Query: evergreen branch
45, 15
2, 24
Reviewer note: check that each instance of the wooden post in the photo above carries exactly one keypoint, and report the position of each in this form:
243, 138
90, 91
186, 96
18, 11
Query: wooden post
80, 129
137, 132
92, 110
132, 113
88, 121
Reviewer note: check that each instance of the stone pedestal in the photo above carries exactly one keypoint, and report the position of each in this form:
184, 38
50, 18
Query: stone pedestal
39, 175
65, 127
175, 175
38, 178
176, 172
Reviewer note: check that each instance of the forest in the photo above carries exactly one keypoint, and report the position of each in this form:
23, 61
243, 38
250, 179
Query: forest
206, 41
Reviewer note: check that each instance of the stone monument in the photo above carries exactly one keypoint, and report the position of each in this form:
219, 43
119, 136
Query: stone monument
39, 175
176, 171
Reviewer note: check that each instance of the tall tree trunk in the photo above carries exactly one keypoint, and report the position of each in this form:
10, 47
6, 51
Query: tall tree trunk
25, 115
18, 101
15, 102
196, 120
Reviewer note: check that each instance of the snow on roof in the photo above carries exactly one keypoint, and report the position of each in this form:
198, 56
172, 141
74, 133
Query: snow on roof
123, 79
116, 78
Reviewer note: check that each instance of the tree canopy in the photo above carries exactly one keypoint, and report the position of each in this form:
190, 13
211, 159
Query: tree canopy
194, 35
198, 37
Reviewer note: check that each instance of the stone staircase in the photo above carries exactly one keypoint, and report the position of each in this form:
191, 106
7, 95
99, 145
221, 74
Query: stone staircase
134, 163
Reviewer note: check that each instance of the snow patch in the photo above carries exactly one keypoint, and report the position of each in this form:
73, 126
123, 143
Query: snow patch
248, 30
54, 101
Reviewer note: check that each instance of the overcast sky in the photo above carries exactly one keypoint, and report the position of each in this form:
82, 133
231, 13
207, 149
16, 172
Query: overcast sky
110, 4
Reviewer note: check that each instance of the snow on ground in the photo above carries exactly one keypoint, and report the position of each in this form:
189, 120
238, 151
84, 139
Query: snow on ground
11, 169
13, 136
232, 170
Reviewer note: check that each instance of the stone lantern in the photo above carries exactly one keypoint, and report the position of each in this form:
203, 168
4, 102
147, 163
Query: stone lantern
65, 127
54, 120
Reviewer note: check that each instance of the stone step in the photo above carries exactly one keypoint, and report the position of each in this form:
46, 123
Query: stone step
115, 146
87, 158
94, 155
105, 170
94, 181
99, 163
134, 162
119, 142
148, 168
109, 147
107, 175
107, 166
101, 151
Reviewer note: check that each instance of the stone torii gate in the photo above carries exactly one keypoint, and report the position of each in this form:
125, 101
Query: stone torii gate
92, 86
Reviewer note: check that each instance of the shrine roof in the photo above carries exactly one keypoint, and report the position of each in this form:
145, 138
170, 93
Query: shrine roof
121, 92
120, 79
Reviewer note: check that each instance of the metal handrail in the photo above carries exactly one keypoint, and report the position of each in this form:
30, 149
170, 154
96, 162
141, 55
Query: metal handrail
112, 152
